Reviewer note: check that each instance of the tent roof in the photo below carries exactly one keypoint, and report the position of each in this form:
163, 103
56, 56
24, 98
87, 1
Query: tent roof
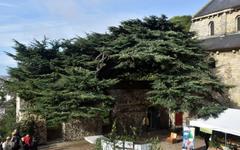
227, 122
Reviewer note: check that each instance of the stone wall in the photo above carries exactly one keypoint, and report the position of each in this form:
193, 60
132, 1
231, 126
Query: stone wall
232, 21
201, 27
34, 126
41, 131
224, 23
77, 129
19, 107
23, 117
228, 69
130, 108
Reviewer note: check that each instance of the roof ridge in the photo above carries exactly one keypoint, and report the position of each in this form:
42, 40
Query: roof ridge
215, 6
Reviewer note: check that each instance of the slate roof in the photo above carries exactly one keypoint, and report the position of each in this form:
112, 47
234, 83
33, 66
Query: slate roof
217, 5
222, 43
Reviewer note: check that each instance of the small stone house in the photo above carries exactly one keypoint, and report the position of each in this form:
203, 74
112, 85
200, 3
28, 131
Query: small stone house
132, 105
217, 25
130, 108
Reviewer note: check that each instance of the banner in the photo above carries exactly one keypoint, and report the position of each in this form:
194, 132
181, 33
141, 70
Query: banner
188, 138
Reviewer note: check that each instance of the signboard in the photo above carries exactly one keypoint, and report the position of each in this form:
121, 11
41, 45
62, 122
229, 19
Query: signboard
206, 130
123, 145
188, 138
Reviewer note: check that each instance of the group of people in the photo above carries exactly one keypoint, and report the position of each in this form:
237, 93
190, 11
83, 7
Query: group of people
16, 142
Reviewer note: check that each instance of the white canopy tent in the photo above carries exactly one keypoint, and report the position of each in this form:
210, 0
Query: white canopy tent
227, 122
93, 139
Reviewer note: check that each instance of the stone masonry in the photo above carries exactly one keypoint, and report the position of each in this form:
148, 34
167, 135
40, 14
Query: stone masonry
40, 130
224, 23
227, 61
228, 69
130, 108
78, 129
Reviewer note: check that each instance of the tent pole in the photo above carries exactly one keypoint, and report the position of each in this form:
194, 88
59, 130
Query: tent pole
225, 139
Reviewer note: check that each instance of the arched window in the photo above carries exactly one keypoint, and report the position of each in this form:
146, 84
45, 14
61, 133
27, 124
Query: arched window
211, 28
238, 23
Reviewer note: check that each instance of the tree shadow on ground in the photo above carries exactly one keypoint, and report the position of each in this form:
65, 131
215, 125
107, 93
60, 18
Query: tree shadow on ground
201, 148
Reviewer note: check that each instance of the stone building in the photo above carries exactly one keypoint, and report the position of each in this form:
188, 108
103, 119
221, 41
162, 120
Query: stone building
217, 25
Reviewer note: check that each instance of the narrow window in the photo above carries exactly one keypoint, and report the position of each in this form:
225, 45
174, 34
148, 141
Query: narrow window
238, 23
211, 28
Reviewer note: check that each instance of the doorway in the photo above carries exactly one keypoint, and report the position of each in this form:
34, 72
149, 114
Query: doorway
158, 118
178, 119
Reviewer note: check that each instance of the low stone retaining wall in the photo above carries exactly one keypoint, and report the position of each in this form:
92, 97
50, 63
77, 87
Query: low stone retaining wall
77, 129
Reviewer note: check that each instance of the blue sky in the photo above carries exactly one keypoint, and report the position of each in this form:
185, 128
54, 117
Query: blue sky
25, 20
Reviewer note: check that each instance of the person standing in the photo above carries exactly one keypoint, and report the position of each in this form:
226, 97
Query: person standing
16, 140
1, 143
145, 123
27, 142
206, 139
7, 145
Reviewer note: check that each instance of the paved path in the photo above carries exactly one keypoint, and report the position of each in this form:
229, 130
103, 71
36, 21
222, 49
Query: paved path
77, 145
199, 145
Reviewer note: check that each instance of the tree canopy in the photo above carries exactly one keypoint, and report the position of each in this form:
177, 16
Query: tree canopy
8, 108
68, 79
182, 21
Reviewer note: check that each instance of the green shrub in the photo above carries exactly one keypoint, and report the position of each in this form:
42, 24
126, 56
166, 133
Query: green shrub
98, 145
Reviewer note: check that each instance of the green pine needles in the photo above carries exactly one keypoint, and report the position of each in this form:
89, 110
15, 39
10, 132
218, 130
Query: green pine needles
69, 79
